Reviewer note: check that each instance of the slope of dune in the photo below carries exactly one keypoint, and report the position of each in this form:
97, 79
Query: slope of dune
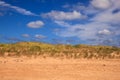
59, 50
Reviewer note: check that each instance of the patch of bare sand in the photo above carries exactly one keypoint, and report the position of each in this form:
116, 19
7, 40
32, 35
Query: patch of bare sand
58, 69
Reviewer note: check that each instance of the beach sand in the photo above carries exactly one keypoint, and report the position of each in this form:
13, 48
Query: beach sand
58, 69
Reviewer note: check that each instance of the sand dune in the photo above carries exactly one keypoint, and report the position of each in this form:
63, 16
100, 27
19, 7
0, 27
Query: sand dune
58, 69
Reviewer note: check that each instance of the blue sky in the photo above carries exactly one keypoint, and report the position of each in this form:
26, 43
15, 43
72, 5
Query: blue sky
61, 21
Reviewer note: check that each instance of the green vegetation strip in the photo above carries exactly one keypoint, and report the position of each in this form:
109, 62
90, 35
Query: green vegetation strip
63, 51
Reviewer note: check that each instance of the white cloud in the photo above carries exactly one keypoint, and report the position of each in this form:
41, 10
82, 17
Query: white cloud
116, 4
62, 23
105, 32
101, 4
95, 6
17, 9
35, 24
26, 35
102, 23
83, 31
93, 33
107, 17
60, 15
38, 36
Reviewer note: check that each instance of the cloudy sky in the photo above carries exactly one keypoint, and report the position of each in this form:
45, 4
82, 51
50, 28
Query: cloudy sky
61, 21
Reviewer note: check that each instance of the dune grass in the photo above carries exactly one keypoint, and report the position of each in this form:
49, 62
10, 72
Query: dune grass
59, 50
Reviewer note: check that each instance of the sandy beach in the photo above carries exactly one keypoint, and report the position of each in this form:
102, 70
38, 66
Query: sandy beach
58, 69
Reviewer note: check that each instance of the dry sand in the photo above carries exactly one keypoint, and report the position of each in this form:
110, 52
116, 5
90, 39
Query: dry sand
58, 69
